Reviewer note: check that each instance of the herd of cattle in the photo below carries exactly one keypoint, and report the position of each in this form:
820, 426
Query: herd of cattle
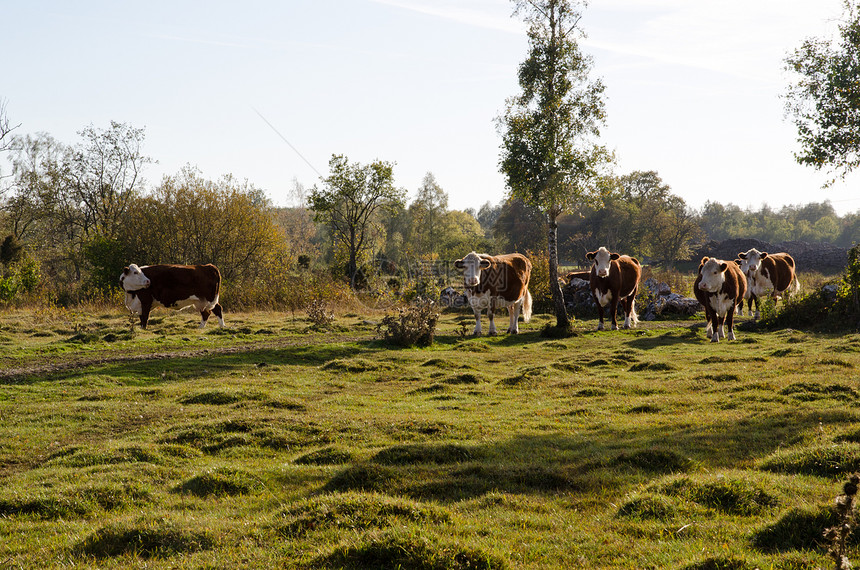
495, 282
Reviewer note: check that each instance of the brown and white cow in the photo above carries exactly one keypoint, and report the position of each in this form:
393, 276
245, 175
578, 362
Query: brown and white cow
173, 287
496, 281
719, 287
614, 278
772, 273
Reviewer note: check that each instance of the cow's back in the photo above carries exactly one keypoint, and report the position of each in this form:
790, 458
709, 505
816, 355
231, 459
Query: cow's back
630, 272
183, 281
508, 275
779, 268
736, 282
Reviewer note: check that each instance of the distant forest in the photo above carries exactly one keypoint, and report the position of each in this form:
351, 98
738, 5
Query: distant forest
72, 216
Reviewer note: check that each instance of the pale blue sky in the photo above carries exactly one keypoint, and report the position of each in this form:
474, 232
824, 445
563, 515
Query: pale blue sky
693, 87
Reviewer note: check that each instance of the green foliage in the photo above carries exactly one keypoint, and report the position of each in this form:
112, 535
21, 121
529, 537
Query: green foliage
10, 250
20, 279
824, 99
106, 258
822, 308
549, 155
349, 202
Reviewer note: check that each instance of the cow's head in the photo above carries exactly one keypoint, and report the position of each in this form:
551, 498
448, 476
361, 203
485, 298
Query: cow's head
472, 265
602, 260
133, 279
751, 260
713, 272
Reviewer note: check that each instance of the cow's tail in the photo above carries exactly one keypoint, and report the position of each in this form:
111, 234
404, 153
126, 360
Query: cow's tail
527, 307
794, 288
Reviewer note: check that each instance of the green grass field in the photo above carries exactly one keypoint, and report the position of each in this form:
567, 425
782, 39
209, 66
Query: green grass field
268, 445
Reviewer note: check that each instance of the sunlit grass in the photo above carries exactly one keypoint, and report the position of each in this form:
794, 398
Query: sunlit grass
268, 444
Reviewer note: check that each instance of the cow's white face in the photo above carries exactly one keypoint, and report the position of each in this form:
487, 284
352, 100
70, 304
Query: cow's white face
602, 260
751, 261
472, 265
713, 273
133, 279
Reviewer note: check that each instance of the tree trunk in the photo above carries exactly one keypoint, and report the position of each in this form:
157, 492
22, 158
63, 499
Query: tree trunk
562, 320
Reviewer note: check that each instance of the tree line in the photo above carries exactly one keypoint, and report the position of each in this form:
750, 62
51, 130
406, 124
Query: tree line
74, 214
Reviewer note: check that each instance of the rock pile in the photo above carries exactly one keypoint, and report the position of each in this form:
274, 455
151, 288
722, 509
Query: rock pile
660, 300
821, 257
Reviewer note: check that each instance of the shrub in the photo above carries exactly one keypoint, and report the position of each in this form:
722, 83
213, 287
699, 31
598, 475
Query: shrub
832, 307
319, 313
539, 282
411, 326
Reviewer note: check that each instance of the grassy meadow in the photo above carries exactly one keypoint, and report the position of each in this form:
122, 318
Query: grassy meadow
271, 445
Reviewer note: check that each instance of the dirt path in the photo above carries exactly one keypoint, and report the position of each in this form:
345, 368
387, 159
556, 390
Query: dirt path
54, 364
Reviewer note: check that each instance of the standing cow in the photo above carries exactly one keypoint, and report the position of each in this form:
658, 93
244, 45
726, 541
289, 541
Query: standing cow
719, 287
495, 282
173, 287
772, 273
614, 278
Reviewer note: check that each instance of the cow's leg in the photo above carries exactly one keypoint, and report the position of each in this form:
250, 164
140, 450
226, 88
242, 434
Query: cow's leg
730, 323
204, 316
599, 312
613, 311
715, 327
144, 316
216, 310
491, 317
514, 313
629, 310
757, 313
477, 310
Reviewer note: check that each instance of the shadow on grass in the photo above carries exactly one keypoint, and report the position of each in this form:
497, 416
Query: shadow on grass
156, 369
687, 335
605, 461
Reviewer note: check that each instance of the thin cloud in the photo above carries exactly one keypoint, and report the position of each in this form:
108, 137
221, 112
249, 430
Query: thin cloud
489, 14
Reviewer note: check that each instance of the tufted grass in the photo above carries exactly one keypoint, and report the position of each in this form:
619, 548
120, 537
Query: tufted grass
263, 445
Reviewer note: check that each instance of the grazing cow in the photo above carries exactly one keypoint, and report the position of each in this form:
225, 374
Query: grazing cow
494, 282
173, 287
719, 287
614, 278
767, 273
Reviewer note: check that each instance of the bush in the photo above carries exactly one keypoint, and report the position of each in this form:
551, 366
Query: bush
319, 314
414, 325
539, 282
835, 306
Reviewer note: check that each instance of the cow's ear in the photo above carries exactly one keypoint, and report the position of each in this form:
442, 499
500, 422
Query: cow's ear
614, 256
724, 266
738, 261
485, 263
704, 260
459, 264
742, 255
763, 254
590, 255
125, 271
